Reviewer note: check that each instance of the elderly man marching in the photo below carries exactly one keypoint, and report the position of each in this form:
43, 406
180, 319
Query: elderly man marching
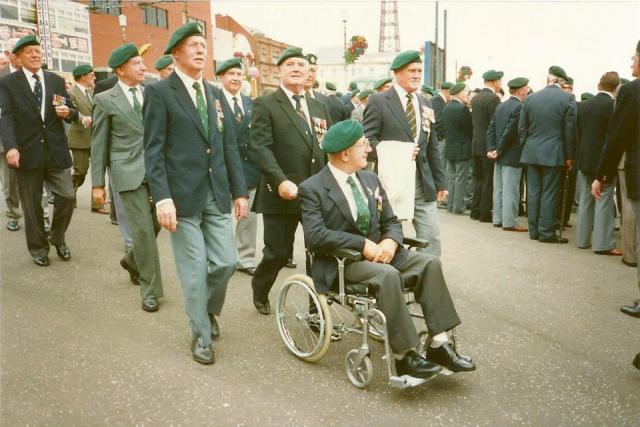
194, 171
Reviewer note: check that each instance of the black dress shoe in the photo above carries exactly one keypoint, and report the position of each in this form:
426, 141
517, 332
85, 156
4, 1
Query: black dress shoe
554, 239
41, 261
134, 275
12, 225
631, 310
215, 328
636, 361
497, 225
63, 251
414, 365
150, 304
291, 263
114, 221
262, 307
447, 357
249, 270
201, 354
630, 264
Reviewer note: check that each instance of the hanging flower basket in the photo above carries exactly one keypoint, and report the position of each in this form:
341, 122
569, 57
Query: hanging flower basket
357, 47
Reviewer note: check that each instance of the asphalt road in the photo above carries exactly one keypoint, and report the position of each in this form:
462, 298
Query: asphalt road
541, 321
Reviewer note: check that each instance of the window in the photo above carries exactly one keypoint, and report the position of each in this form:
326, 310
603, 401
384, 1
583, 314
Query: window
154, 16
110, 7
202, 23
9, 12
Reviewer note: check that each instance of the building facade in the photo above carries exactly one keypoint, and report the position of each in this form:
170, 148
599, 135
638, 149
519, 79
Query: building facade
365, 71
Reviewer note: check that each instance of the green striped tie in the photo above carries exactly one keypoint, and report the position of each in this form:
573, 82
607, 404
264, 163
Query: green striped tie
411, 116
363, 215
136, 103
202, 107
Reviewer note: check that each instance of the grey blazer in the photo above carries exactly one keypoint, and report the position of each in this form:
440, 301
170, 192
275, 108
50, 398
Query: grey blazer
116, 141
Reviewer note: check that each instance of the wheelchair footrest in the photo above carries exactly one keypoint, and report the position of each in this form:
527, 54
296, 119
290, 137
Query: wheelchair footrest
406, 381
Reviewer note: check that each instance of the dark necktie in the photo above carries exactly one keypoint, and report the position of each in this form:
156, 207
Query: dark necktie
86, 92
299, 110
202, 107
411, 116
137, 107
237, 112
37, 91
363, 215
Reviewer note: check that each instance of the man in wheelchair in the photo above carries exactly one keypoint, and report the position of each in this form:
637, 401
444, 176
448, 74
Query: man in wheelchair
344, 206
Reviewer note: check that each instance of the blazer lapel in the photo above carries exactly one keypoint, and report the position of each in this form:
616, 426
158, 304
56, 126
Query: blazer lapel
315, 110
291, 113
24, 84
212, 109
336, 194
246, 106
48, 95
396, 108
82, 97
184, 100
121, 102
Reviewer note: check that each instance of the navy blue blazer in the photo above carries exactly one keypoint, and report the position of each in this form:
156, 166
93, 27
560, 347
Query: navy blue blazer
502, 134
458, 131
593, 121
181, 160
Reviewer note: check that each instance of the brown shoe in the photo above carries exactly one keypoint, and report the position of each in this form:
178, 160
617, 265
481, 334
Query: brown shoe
612, 252
100, 211
517, 228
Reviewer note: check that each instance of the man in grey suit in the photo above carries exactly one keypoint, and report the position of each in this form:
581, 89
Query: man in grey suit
546, 130
400, 114
117, 142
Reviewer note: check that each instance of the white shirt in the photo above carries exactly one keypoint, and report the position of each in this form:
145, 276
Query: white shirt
229, 97
32, 83
126, 89
416, 106
303, 101
84, 91
342, 177
188, 82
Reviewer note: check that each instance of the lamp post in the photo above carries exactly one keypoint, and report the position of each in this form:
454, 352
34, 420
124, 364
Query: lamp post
122, 20
343, 13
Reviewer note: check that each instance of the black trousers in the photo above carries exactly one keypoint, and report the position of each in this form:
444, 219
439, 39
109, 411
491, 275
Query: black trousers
570, 186
30, 182
483, 192
279, 234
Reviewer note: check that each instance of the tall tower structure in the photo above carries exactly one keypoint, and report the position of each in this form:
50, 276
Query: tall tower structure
389, 29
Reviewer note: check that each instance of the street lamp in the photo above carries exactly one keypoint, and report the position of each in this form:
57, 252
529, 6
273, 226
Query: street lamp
122, 20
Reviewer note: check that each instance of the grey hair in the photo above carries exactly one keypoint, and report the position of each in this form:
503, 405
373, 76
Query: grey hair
552, 78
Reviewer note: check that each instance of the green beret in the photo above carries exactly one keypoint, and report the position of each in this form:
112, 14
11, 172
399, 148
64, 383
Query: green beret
227, 65
313, 60
163, 62
25, 41
353, 86
446, 85
428, 89
186, 30
339, 94
585, 96
570, 80
405, 58
341, 136
457, 88
623, 81
122, 54
365, 93
292, 52
330, 86
558, 72
377, 85
492, 75
81, 70
518, 82
355, 92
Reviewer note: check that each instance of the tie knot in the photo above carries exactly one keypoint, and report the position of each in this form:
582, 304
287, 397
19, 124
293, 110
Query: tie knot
196, 85
133, 90
350, 180
410, 96
298, 97
36, 77
235, 99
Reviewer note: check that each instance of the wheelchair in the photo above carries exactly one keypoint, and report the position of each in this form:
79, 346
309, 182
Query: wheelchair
308, 321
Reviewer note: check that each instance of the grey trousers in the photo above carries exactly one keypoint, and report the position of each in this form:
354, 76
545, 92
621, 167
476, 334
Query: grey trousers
543, 189
420, 270
629, 236
123, 226
595, 222
506, 194
425, 220
9, 182
144, 230
202, 247
246, 231
457, 173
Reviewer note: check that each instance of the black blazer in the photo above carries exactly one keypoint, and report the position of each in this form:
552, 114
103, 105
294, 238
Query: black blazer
181, 160
623, 136
438, 103
458, 131
22, 127
385, 120
593, 121
502, 134
328, 223
483, 105
105, 84
337, 109
284, 149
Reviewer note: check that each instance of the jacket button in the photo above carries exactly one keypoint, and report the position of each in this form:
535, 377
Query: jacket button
313, 160
209, 169
208, 150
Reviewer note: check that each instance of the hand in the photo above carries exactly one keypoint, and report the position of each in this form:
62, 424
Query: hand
596, 189
99, 195
370, 250
241, 207
63, 111
416, 151
441, 195
166, 213
287, 190
13, 158
568, 164
386, 251
493, 154
87, 121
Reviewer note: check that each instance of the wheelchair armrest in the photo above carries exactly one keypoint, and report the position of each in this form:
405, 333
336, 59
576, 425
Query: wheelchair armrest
415, 243
348, 254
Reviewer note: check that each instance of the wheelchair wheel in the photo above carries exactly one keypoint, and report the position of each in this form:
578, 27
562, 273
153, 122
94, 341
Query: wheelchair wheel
360, 374
303, 318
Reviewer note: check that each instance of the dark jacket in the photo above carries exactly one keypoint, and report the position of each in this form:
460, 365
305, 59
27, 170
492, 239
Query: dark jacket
22, 127
502, 134
438, 103
593, 121
181, 160
328, 223
458, 131
105, 84
284, 149
547, 127
385, 120
623, 136
337, 109
483, 105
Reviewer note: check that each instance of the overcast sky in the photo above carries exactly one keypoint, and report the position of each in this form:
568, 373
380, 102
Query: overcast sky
522, 38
